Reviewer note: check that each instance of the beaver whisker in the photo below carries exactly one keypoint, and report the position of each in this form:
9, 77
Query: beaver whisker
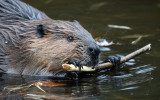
84, 60
91, 63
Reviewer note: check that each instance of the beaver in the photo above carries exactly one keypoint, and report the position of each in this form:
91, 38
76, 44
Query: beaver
31, 43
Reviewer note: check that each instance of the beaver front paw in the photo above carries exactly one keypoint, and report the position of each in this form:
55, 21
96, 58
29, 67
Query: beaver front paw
115, 60
76, 63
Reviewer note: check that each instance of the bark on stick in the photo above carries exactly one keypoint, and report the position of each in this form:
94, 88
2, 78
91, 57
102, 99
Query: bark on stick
70, 67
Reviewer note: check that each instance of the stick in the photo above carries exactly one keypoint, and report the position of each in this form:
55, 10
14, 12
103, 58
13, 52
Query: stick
71, 67
126, 58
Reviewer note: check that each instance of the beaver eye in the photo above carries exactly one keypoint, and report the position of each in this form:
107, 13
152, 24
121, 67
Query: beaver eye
70, 38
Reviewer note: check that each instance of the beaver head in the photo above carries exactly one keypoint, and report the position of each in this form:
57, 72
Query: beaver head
57, 42
42, 45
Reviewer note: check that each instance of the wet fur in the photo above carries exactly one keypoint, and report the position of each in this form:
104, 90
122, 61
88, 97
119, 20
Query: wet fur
24, 53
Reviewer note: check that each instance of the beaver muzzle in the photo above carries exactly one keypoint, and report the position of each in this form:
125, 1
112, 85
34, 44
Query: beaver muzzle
93, 52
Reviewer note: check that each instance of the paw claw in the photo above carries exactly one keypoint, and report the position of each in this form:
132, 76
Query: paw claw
115, 60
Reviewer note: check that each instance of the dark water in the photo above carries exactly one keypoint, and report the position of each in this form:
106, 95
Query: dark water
137, 80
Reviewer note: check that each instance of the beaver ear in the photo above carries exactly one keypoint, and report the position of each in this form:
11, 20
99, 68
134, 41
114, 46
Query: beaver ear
40, 31
75, 21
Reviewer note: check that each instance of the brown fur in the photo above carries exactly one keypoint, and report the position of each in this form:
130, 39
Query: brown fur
27, 54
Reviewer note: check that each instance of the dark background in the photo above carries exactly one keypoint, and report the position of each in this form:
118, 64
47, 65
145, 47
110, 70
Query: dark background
139, 79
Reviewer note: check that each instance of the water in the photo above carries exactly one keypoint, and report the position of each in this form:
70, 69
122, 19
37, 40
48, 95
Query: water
137, 80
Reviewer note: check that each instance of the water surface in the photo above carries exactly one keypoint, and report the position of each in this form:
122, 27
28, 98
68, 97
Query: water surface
137, 80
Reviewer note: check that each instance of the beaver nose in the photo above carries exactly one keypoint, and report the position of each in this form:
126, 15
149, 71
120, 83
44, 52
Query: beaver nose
94, 51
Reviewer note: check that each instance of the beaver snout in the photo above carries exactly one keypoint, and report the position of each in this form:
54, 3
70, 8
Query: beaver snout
94, 51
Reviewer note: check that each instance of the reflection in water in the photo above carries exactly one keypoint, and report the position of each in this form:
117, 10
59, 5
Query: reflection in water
138, 79
91, 86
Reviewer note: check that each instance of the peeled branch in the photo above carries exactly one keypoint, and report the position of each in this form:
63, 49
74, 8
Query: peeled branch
71, 67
